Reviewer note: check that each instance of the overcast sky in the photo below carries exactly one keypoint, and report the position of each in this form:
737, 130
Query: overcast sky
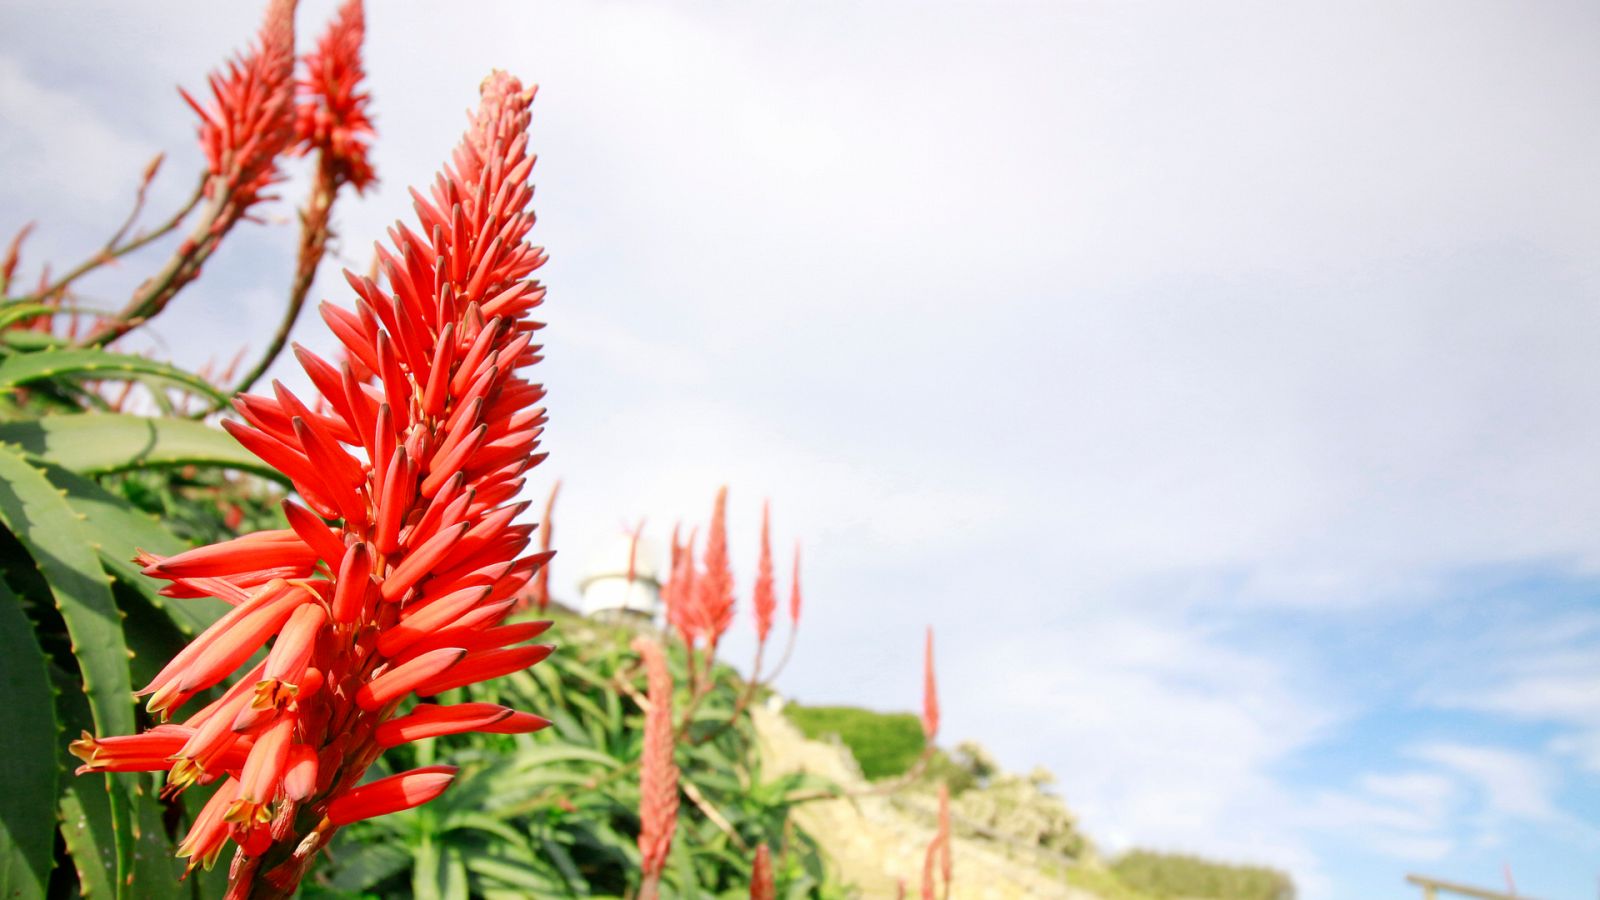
1222, 381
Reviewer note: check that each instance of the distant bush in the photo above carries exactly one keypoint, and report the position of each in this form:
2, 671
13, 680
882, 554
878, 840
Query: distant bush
1020, 807
1174, 875
884, 744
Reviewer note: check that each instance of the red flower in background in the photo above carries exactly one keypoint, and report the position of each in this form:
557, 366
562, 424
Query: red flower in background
332, 116
761, 886
658, 774
406, 590
713, 588
794, 589
251, 118
764, 598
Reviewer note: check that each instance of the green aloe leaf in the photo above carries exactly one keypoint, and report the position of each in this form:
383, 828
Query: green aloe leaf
116, 530
97, 443
22, 368
27, 728
365, 865
36, 513
84, 806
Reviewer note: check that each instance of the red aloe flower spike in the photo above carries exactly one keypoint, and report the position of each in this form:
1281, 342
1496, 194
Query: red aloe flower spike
714, 587
395, 576
332, 120
764, 598
658, 775
252, 120
681, 600
930, 693
761, 886
249, 124
333, 115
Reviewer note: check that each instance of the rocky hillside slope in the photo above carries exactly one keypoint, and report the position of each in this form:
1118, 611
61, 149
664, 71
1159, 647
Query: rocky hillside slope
878, 841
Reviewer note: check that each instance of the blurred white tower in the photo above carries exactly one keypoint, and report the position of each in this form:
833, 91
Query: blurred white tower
605, 589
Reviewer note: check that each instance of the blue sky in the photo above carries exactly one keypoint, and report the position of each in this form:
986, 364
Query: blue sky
1219, 380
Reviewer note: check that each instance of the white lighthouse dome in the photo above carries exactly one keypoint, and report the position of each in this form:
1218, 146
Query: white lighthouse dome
605, 587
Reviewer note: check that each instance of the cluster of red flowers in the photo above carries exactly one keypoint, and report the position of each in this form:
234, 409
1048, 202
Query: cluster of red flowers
396, 575
699, 599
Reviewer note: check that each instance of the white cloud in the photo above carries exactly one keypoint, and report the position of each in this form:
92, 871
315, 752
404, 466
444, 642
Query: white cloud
1513, 785
59, 146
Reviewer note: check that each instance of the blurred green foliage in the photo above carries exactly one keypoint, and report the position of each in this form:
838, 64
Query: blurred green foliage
885, 745
555, 813
84, 486
1174, 875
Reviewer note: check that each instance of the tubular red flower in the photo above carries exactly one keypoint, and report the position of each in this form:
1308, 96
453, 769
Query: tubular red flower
300, 773
209, 833
483, 665
930, 692
764, 599
396, 573
407, 677
761, 886
428, 720
391, 795
261, 777
658, 775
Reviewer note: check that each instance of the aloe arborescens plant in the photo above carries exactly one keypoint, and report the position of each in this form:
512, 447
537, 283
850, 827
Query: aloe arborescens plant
416, 465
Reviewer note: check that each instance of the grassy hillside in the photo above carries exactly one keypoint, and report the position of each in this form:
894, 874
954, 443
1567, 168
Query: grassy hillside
884, 744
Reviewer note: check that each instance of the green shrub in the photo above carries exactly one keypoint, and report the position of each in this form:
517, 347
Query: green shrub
1176, 875
884, 744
